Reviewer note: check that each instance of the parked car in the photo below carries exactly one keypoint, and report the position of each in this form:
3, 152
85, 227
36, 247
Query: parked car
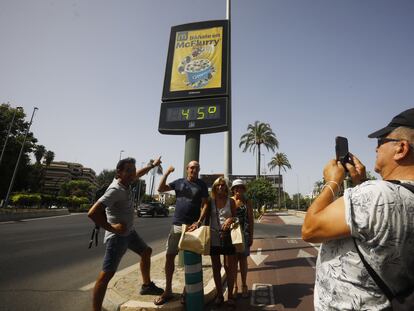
152, 209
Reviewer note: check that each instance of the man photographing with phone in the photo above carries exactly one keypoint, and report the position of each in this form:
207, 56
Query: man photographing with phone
366, 258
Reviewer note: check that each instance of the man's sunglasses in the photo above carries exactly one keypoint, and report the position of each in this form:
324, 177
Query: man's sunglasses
383, 140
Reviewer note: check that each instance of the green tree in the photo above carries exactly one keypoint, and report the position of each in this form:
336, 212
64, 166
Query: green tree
12, 149
300, 202
258, 134
281, 161
49, 157
317, 187
78, 188
261, 192
287, 201
39, 153
105, 178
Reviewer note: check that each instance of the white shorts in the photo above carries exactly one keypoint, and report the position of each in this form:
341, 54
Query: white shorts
173, 240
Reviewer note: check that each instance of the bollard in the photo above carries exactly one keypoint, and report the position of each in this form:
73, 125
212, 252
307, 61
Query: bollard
194, 297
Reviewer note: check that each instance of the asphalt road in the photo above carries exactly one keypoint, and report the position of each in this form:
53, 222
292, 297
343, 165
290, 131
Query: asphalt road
44, 263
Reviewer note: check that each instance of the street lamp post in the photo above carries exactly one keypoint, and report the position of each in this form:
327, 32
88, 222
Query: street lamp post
8, 133
139, 185
297, 179
120, 154
6, 201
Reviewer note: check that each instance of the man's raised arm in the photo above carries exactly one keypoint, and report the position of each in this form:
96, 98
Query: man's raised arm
163, 187
144, 170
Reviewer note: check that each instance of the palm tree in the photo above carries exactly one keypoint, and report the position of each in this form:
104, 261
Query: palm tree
39, 153
281, 161
49, 157
258, 134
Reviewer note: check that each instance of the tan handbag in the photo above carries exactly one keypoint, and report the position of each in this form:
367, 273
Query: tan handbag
237, 237
197, 241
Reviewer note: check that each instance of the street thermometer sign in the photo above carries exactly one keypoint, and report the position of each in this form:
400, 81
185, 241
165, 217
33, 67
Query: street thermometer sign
195, 93
205, 115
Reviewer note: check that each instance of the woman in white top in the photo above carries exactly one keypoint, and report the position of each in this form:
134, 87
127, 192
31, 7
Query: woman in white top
222, 211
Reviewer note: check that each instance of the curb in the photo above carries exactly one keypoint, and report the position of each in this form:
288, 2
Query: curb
16, 216
135, 305
115, 302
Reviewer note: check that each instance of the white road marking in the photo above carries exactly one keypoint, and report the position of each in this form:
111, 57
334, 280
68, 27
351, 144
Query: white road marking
258, 258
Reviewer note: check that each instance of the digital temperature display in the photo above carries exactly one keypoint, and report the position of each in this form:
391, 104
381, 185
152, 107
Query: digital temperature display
206, 115
186, 113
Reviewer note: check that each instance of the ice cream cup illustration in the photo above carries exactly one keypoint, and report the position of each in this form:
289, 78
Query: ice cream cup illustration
198, 70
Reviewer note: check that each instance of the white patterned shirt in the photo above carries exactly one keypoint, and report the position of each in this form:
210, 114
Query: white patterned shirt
380, 216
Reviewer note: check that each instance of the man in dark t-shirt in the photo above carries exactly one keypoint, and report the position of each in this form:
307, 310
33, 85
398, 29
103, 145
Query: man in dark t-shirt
191, 196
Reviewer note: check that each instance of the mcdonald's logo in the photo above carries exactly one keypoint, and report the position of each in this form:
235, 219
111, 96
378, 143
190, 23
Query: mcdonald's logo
182, 36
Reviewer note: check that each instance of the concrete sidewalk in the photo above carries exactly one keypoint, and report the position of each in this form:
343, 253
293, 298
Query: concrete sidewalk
123, 290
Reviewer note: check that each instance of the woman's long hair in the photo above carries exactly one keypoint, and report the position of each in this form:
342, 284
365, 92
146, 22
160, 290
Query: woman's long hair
216, 183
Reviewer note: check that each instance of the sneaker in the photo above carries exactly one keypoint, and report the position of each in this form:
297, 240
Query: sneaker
151, 289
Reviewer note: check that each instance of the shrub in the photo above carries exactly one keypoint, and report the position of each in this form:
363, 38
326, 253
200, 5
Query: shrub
26, 200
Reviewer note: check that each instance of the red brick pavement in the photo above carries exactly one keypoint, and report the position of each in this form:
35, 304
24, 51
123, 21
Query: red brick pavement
284, 277
271, 219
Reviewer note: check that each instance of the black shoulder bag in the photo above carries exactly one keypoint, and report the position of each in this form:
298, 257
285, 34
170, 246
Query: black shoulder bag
403, 301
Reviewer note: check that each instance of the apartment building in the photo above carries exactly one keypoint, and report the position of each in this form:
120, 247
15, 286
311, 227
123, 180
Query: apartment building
58, 173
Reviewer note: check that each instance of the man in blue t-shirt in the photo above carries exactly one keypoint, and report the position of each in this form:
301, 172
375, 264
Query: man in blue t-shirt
192, 196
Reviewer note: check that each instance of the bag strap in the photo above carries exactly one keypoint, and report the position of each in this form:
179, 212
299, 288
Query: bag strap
94, 236
377, 279
405, 185
217, 215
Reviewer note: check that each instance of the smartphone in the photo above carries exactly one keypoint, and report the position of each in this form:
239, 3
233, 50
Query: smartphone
341, 149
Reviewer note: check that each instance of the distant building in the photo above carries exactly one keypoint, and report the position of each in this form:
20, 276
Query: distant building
58, 173
275, 180
163, 197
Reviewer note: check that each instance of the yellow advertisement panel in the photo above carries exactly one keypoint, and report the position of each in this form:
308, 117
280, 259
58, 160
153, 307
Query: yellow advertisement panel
197, 61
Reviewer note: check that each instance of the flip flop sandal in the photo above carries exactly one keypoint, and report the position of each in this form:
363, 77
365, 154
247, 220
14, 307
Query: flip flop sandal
245, 291
162, 300
231, 303
182, 299
218, 301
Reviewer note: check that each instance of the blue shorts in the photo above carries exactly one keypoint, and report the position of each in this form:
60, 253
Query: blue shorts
116, 247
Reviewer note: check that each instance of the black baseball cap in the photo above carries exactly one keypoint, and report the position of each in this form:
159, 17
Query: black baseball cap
405, 118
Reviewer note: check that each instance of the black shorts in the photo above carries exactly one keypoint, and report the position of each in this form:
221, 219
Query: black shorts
226, 247
220, 250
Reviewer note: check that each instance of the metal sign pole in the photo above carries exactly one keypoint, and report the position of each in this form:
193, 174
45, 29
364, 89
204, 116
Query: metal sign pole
192, 261
228, 170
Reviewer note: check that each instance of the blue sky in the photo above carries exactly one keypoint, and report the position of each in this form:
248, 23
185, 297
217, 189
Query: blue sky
313, 70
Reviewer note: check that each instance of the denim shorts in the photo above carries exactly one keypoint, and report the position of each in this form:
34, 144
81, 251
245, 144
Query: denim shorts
116, 247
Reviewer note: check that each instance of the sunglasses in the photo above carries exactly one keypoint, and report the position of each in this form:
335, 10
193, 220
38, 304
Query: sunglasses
383, 140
